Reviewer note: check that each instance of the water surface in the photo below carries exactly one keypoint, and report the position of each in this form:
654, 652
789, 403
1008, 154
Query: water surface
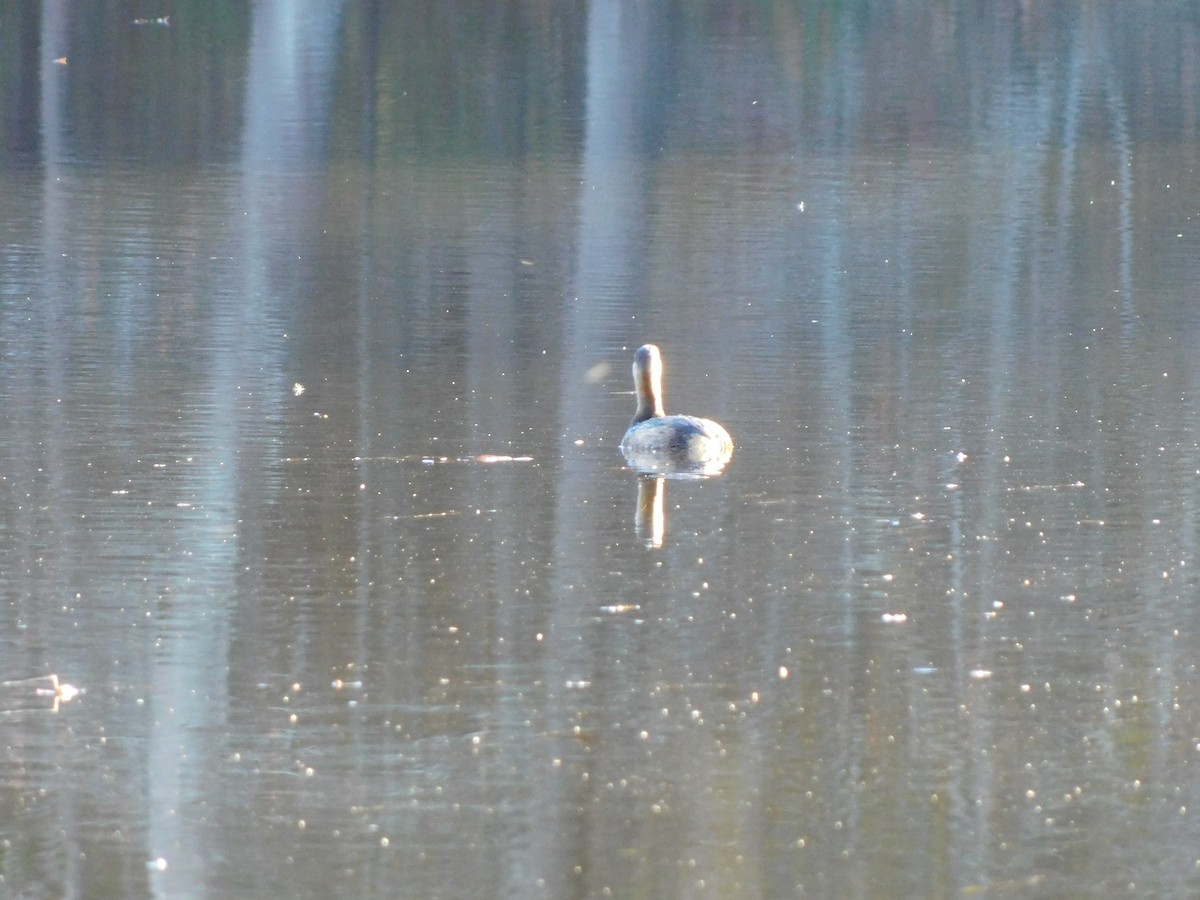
315, 330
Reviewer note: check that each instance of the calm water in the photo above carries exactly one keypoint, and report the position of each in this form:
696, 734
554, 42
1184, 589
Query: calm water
315, 329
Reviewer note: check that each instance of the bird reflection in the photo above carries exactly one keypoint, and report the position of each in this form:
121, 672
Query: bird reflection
649, 521
666, 463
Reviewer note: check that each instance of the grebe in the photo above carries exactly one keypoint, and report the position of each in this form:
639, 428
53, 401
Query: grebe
656, 441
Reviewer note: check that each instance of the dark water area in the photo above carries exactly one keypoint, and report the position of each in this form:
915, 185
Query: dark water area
316, 324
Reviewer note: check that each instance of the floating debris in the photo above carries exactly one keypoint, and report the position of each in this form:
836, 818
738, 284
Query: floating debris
483, 458
46, 687
894, 618
1049, 487
160, 21
616, 608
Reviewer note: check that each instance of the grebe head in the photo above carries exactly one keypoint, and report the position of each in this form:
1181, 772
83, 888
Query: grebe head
647, 381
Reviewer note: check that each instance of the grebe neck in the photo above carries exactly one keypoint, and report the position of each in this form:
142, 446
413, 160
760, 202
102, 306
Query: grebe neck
647, 380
